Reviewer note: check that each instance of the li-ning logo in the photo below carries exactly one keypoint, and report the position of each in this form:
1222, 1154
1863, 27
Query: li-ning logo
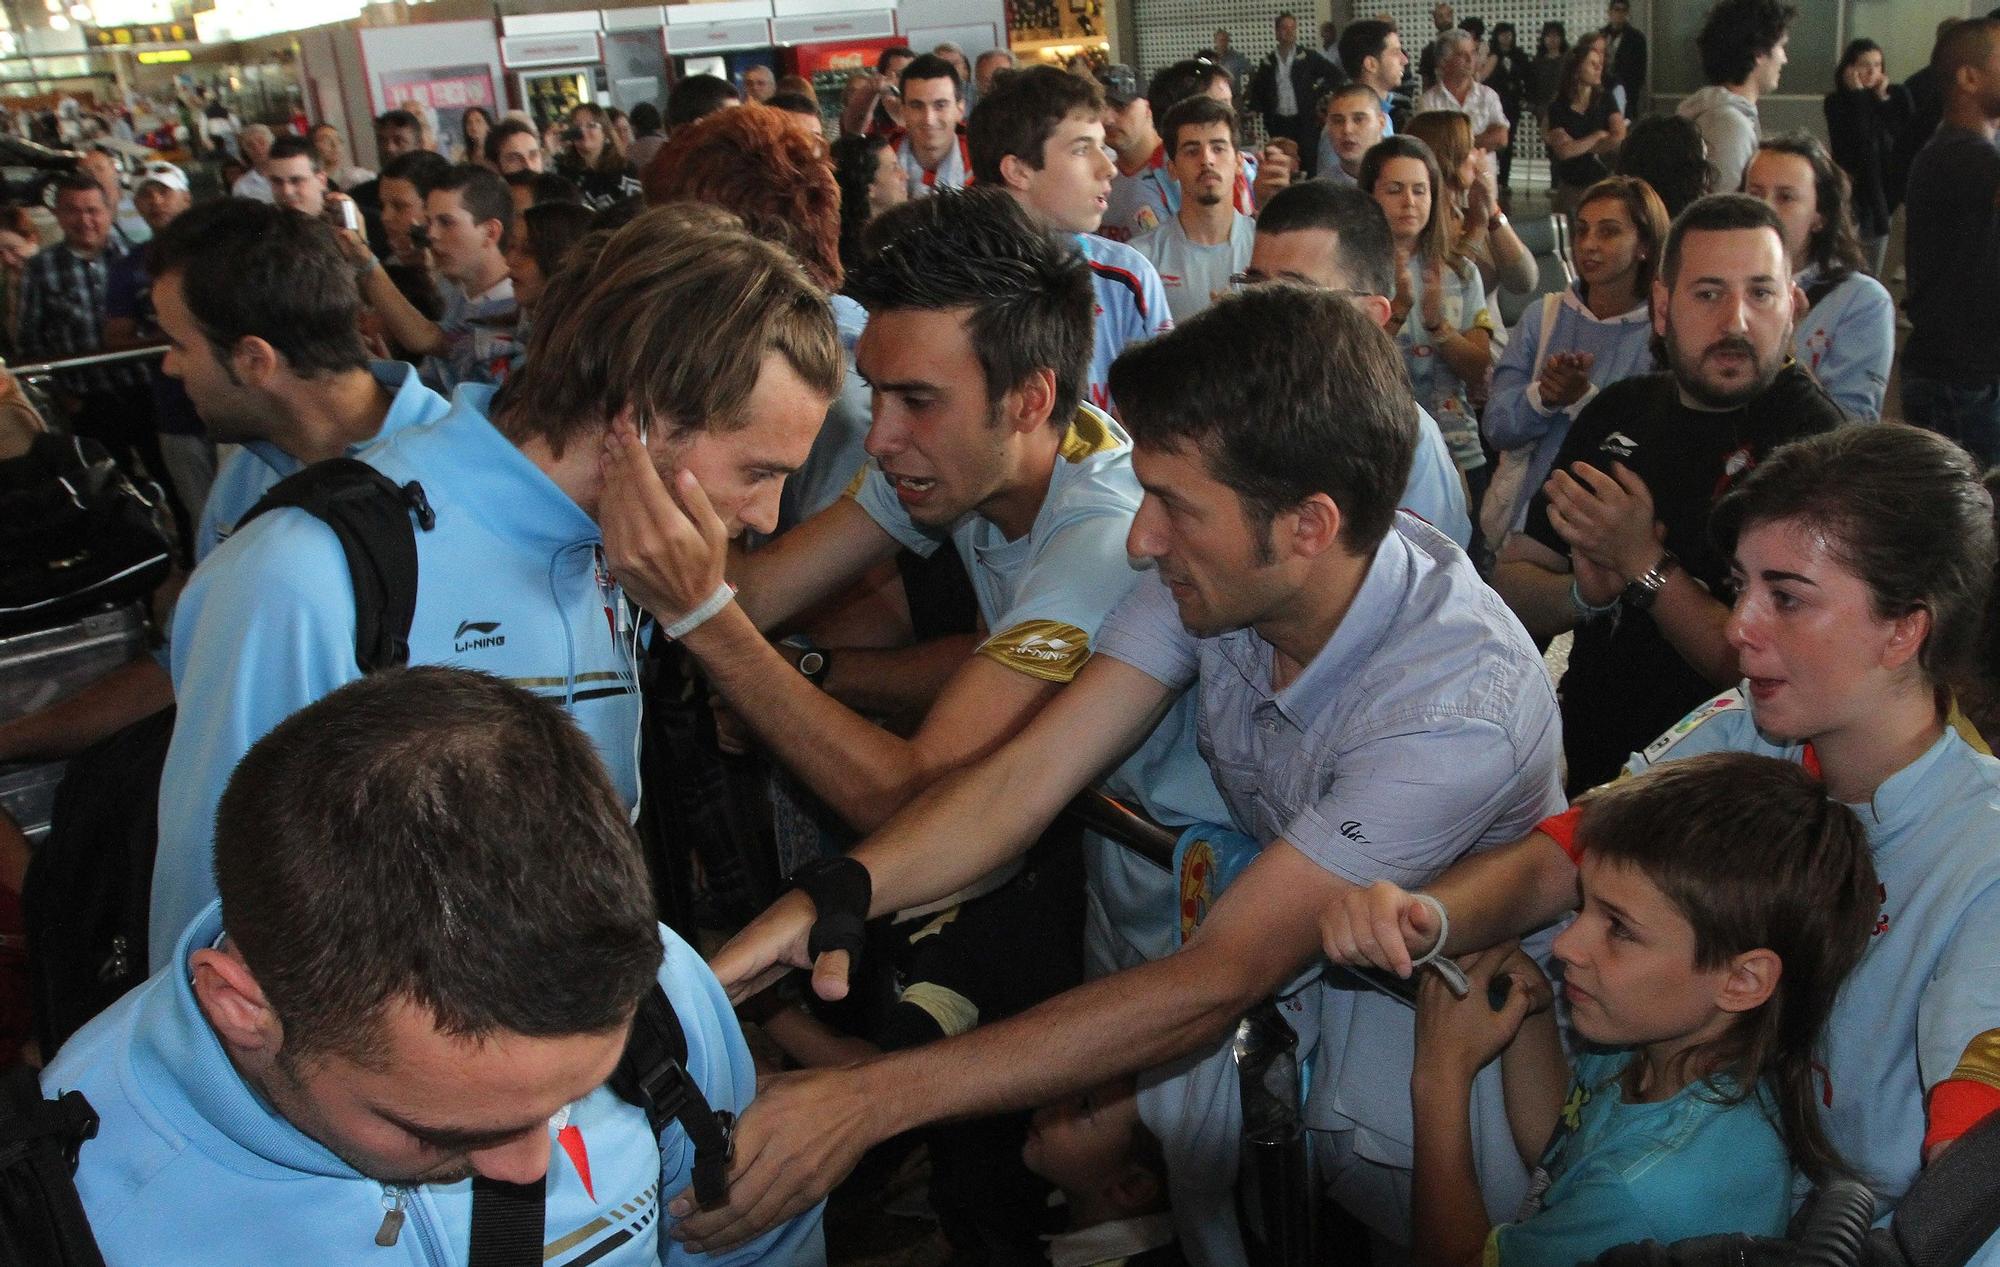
1036, 647
484, 635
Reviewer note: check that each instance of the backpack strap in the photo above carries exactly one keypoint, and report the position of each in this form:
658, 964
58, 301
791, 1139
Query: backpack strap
370, 514
653, 1075
42, 1219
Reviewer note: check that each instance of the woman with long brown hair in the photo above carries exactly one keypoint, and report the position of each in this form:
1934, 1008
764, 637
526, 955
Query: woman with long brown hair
1478, 228
594, 158
1584, 123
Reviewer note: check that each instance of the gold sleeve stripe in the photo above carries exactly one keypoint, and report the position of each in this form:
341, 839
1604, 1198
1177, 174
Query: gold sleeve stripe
936, 925
1045, 649
1087, 435
854, 485
1959, 722
1981, 1061
954, 1013
1490, 1256
1484, 321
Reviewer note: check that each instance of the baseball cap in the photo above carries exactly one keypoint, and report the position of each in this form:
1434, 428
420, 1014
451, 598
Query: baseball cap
163, 173
1121, 84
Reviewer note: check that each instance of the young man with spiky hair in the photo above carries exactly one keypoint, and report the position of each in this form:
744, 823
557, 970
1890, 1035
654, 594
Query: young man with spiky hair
434, 935
978, 339
1040, 137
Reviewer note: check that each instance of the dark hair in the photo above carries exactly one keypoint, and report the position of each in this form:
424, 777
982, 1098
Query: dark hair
1716, 213
553, 228
1738, 32
855, 161
1959, 45
1434, 242
249, 269
499, 133
465, 132
1649, 221
1754, 855
1475, 27
753, 161
75, 182
1196, 112
931, 66
400, 119
793, 103
1835, 246
696, 97
1899, 507
1019, 116
1572, 70
671, 319
1667, 152
1176, 82
1362, 40
887, 55
1561, 33
1027, 290
1285, 391
1855, 50
389, 842
294, 147
1503, 28
612, 158
483, 193
645, 118
1363, 251
421, 169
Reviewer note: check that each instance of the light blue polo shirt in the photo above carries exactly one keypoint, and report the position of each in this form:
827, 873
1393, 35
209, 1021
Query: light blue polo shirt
1424, 730
1131, 307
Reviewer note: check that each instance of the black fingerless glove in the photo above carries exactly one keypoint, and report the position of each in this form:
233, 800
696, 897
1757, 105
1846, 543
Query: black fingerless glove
840, 889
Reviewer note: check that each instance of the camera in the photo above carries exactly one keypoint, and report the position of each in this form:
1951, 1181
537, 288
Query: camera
344, 214
420, 236
572, 134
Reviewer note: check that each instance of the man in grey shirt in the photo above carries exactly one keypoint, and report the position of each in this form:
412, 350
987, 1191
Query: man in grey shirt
1206, 241
1368, 707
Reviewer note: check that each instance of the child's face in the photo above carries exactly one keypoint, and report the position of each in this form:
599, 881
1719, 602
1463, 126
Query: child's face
1628, 964
1079, 1145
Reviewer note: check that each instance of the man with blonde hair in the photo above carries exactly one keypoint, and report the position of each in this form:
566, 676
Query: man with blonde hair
714, 345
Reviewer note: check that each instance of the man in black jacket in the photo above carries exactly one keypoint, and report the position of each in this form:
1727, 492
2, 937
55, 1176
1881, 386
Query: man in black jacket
1625, 55
1286, 89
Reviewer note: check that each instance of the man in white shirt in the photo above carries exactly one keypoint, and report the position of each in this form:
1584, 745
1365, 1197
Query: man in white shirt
930, 149
1458, 88
256, 141
1287, 88
1201, 246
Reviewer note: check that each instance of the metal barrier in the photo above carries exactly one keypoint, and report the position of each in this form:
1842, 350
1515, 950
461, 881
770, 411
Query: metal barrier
47, 369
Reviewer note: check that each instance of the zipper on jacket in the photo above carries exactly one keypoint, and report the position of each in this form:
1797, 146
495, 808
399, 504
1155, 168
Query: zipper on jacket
392, 1216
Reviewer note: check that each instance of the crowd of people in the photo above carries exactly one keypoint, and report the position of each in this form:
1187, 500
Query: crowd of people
1034, 445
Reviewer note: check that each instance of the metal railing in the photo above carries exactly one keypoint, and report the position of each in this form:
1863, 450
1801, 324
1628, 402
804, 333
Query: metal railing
47, 369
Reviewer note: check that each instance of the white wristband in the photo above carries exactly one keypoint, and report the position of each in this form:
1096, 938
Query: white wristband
724, 594
1444, 929
1454, 976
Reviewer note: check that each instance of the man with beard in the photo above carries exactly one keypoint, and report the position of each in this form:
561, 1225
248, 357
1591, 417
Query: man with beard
1208, 239
349, 1089
1616, 544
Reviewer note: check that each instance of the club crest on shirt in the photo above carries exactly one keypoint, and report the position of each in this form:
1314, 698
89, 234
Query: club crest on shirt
1618, 444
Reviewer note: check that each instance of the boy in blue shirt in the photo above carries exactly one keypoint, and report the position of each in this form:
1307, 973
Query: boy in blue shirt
1725, 898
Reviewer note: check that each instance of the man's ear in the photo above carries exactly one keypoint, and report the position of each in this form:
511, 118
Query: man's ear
234, 1003
1136, 1191
1014, 173
1660, 294
254, 362
1030, 403
1906, 637
1749, 981
1315, 526
1378, 308
1799, 305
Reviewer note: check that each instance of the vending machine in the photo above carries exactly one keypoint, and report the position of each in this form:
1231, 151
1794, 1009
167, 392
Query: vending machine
553, 70
829, 67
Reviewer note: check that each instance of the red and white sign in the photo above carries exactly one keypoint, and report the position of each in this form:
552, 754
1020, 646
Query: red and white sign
442, 88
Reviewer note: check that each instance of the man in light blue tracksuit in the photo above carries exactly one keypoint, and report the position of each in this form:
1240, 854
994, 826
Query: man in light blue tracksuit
404, 995
510, 578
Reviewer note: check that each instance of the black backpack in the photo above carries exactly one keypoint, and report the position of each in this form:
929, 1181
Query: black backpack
89, 885
76, 533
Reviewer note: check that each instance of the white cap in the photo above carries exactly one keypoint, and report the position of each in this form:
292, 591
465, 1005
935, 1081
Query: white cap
164, 173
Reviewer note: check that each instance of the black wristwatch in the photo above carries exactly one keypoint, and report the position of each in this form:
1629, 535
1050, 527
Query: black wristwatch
813, 661
1643, 590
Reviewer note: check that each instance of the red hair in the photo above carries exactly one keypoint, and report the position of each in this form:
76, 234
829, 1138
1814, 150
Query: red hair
757, 163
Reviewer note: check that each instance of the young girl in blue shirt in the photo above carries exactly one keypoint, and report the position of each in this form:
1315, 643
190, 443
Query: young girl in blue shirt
1725, 898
